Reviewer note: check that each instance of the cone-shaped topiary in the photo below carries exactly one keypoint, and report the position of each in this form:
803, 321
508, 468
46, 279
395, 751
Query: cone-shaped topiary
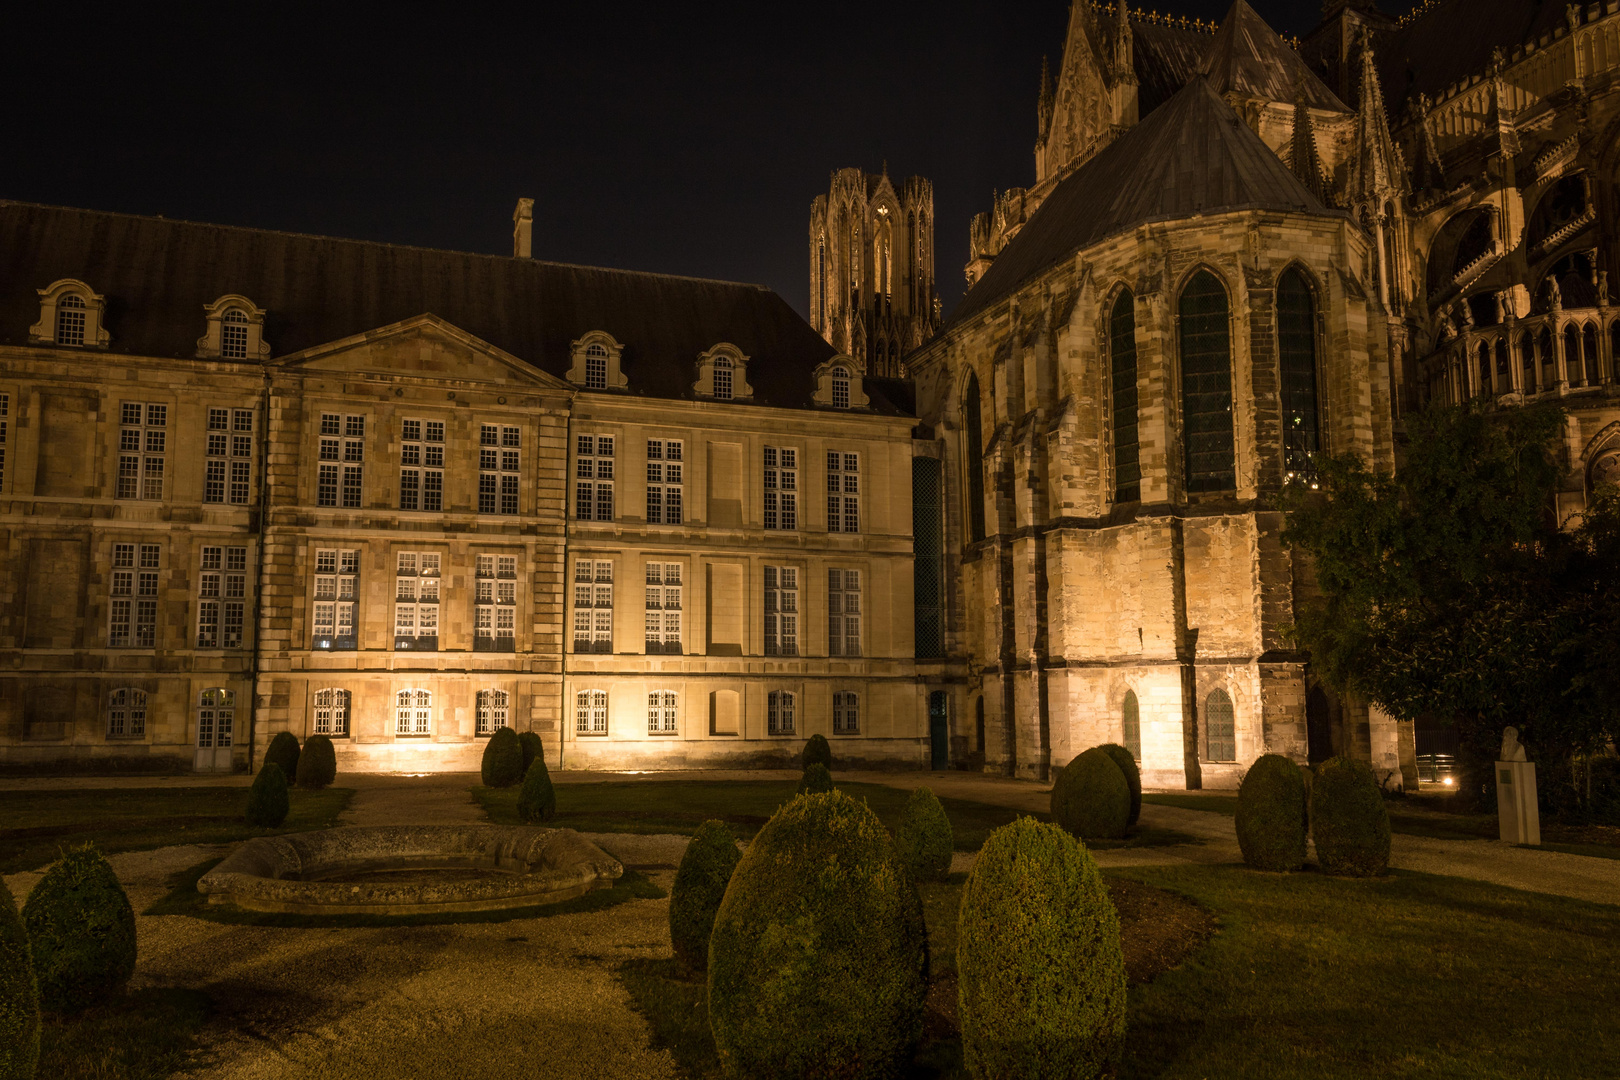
1041, 979
317, 765
817, 751
1348, 819
537, 799
1092, 798
924, 837
19, 996
503, 759
700, 885
267, 798
81, 931
818, 964
816, 779
1271, 814
283, 750
532, 748
1133, 775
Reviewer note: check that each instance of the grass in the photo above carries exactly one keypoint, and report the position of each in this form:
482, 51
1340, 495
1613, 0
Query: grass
39, 824
1411, 975
146, 1035
184, 899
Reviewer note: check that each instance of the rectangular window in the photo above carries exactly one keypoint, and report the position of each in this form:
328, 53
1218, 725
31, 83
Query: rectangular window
228, 465
132, 612
593, 478
500, 451
332, 712
663, 607
421, 465
126, 714
493, 711
779, 712
781, 611
843, 612
781, 488
846, 713
416, 601
342, 441
590, 712
843, 492
123, 593
665, 505
413, 712
593, 606
142, 449
5, 423
495, 604
337, 573
661, 712
221, 597
596, 365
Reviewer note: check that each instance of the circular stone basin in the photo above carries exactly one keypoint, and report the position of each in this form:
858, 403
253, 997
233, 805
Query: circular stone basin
410, 870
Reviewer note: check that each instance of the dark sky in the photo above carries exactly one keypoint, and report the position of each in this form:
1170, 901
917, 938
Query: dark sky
682, 138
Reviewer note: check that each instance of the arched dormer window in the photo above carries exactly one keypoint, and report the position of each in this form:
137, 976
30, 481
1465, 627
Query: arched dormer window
838, 385
1296, 351
70, 315
595, 362
720, 379
233, 330
1122, 354
973, 453
233, 336
1206, 385
723, 374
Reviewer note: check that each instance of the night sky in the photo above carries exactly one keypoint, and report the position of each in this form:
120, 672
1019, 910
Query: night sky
680, 138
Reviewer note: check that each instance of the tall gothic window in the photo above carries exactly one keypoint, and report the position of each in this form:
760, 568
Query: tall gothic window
1206, 385
820, 283
1296, 349
1220, 743
975, 458
1122, 351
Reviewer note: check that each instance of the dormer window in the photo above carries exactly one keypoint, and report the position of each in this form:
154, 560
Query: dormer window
233, 335
722, 378
722, 374
840, 391
233, 330
70, 320
595, 364
838, 385
69, 315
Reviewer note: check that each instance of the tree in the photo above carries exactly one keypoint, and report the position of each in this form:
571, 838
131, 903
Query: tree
1450, 589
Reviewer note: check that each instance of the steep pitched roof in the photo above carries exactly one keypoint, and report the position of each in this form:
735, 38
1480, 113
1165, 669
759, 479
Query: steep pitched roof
1247, 57
157, 275
1191, 156
1454, 39
1164, 57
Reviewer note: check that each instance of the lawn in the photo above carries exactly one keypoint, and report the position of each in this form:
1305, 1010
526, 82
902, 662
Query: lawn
38, 824
1314, 977
148, 1034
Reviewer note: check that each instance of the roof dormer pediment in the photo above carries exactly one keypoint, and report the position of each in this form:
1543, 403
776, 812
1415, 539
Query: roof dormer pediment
423, 347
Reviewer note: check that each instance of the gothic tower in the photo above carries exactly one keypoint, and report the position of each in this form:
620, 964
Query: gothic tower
872, 267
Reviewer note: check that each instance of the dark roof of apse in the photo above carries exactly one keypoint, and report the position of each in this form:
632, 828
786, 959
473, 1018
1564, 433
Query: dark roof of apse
1164, 57
1453, 40
1248, 58
1189, 157
158, 274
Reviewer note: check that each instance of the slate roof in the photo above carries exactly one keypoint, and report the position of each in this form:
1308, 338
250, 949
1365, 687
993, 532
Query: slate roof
157, 274
1453, 41
1247, 57
1190, 156
1164, 57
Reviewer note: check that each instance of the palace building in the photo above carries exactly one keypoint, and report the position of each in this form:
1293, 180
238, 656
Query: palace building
254, 482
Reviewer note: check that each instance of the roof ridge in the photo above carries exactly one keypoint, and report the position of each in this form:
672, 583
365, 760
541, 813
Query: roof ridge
384, 244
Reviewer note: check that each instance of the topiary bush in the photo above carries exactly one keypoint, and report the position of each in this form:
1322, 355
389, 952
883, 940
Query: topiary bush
817, 751
81, 932
1091, 797
816, 779
317, 765
1348, 819
537, 800
19, 996
1132, 773
533, 748
700, 885
924, 837
503, 759
1272, 814
267, 798
818, 963
283, 751
1040, 975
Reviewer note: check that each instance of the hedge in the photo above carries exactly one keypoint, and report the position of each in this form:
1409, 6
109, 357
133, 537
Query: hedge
537, 800
700, 885
1133, 775
1272, 814
81, 931
817, 751
267, 798
924, 837
503, 759
816, 779
1091, 798
19, 996
1348, 819
283, 751
532, 748
317, 765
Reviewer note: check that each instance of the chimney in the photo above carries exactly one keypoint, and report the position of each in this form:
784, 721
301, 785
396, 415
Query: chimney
523, 229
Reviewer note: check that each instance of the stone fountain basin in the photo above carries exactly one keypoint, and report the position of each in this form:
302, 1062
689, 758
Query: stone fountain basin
517, 866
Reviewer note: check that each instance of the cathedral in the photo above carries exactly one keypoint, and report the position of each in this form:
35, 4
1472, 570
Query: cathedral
670, 523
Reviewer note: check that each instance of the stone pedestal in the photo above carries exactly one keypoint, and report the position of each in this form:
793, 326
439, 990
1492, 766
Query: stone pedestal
1516, 809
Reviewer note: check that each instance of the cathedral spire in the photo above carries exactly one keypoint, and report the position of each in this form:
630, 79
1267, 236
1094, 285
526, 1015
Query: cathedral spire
1377, 172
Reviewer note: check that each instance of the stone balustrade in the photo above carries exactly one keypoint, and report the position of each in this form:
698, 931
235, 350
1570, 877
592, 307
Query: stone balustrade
1559, 353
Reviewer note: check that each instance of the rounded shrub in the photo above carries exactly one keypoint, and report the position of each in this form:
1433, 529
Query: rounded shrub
317, 765
1091, 797
537, 799
1348, 819
1041, 979
924, 837
267, 798
19, 996
1132, 773
817, 751
816, 779
532, 748
818, 963
503, 759
1272, 814
81, 931
283, 751
700, 885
